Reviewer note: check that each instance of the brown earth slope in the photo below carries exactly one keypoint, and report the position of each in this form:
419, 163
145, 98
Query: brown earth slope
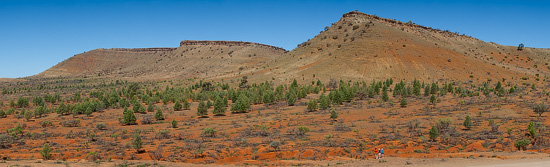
201, 59
358, 46
362, 46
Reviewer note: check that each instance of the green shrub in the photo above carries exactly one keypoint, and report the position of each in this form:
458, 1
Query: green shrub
467, 122
17, 130
136, 142
2, 114
434, 133
27, 114
312, 105
101, 126
71, 123
302, 130
209, 132
46, 151
45, 124
275, 145
522, 144
174, 123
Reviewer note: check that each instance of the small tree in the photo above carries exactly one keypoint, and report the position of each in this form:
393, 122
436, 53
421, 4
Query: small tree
138, 108
151, 107
268, 98
291, 99
202, 110
219, 107
46, 151
385, 96
337, 99
403, 102
312, 105
128, 117
241, 105
159, 115
468, 122
540, 108
174, 123
434, 133
324, 102
178, 106
137, 143
186, 105
333, 114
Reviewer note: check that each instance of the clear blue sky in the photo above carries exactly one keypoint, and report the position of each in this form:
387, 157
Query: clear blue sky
36, 35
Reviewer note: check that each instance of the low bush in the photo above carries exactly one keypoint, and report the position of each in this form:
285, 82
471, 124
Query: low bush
71, 123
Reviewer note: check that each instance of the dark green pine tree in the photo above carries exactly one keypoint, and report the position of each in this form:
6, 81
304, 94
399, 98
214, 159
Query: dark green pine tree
219, 107
324, 102
241, 105
186, 105
333, 114
312, 105
385, 96
128, 117
159, 115
178, 106
202, 110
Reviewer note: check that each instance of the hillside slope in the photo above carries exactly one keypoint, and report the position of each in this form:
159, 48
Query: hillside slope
358, 47
202, 59
362, 46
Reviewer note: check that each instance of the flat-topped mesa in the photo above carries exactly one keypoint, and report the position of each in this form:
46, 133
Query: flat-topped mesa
228, 43
394, 22
143, 49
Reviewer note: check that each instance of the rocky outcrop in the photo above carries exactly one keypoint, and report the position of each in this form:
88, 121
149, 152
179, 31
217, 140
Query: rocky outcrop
394, 22
143, 49
228, 43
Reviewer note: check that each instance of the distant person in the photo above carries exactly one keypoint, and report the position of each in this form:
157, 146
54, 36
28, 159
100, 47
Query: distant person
375, 153
382, 152
379, 153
